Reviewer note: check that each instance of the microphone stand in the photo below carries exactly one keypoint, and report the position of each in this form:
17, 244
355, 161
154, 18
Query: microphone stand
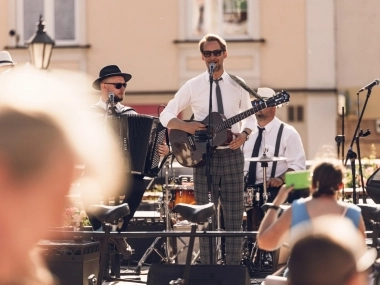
208, 163
207, 136
340, 139
361, 134
352, 155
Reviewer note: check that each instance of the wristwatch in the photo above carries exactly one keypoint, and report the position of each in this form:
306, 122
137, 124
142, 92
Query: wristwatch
246, 134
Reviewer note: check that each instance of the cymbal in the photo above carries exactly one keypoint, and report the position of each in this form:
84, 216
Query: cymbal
265, 158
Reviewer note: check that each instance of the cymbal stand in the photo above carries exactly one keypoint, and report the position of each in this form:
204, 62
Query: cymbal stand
255, 250
264, 165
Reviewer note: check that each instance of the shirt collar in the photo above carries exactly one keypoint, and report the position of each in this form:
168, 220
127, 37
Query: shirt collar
103, 105
271, 124
207, 76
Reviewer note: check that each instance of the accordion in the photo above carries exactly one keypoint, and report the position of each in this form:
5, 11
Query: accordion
139, 137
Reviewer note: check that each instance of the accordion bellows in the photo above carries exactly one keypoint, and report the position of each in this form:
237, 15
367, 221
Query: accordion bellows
139, 136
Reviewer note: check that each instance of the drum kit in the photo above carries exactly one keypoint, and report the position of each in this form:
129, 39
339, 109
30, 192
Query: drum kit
181, 190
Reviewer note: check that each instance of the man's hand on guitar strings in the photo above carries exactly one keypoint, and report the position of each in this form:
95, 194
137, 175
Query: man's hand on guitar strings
191, 127
238, 140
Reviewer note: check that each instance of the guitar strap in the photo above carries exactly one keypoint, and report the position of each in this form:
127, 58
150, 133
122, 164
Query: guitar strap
277, 148
245, 87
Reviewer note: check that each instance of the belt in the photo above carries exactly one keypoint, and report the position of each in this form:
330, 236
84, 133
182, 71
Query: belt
222, 147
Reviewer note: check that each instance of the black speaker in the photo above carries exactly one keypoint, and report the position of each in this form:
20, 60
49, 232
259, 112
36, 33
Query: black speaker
162, 274
373, 186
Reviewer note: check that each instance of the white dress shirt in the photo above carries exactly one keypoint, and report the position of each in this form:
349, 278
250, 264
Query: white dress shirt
119, 107
290, 147
196, 92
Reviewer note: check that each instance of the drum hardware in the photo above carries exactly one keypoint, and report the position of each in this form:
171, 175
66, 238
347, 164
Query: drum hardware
165, 212
252, 197
248, 197
185, 179
264, 159
259, 260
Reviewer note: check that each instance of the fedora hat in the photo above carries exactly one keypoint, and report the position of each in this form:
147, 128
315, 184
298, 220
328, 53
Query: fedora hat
5, 58
107, 71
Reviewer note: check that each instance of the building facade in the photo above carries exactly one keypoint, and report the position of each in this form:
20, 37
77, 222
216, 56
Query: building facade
320, 51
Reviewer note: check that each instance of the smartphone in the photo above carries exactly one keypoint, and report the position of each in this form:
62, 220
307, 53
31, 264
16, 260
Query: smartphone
300, 179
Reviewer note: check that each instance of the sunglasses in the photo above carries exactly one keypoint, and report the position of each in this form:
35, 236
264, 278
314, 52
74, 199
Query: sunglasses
207, 53
118, 85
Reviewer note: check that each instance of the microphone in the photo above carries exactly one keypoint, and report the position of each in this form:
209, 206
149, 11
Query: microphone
211, 68
111, 99
369, 86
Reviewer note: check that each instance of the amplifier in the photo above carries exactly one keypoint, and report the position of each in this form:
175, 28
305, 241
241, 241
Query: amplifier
71, 262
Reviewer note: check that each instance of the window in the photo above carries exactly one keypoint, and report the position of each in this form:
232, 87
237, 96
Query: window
228, 18
63, 23
295, 114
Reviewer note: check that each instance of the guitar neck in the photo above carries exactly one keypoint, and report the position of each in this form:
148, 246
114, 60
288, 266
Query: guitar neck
239, 117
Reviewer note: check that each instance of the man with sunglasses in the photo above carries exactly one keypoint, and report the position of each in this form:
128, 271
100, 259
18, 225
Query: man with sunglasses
227, 161
112, 82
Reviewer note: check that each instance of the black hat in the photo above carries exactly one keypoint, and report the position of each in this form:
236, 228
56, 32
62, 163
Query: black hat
107, 71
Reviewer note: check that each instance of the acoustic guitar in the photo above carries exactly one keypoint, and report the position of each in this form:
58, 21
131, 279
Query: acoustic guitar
189, 150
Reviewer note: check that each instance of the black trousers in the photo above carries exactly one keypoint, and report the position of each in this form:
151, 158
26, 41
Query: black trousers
133, 194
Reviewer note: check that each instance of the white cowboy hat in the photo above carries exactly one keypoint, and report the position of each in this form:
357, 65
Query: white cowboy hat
265, 92
5, 58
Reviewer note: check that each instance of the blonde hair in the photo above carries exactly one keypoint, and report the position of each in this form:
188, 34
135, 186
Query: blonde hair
211, 38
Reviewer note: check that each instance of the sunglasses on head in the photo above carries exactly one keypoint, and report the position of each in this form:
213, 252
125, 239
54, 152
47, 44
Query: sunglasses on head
207, 53
118, 85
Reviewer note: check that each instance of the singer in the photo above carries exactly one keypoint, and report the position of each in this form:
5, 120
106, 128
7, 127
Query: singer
112, 83
227, 162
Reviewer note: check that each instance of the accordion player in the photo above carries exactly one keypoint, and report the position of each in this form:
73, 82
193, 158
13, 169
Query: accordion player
139, 136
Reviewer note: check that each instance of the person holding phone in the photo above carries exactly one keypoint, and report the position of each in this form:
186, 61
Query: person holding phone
327, 180
274, 134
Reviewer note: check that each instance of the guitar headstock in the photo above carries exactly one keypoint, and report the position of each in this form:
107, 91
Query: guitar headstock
278, 99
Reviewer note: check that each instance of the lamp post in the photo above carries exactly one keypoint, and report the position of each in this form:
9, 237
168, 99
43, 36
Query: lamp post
40, 46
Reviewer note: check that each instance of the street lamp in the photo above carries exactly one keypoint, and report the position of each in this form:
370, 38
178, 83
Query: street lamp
40, 46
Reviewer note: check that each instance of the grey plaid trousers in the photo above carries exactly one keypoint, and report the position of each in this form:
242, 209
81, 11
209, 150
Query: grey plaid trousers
227, 169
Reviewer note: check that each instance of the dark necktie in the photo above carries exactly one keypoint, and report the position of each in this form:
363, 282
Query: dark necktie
219, 96
255, 153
